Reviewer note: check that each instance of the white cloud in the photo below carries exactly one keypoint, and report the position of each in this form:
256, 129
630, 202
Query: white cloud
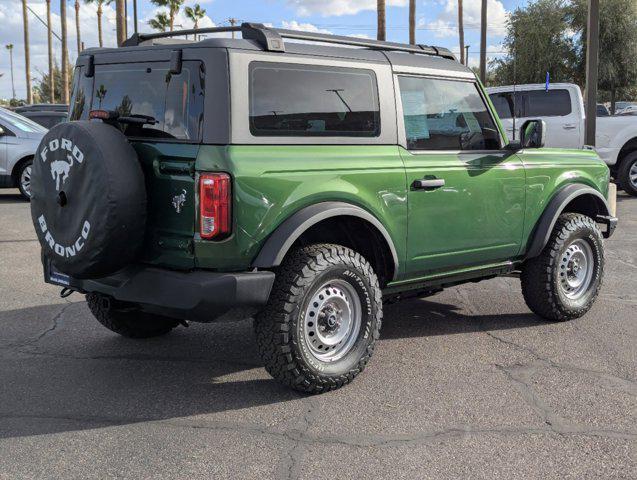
493, 51
304, 27
329, 8
446, 22
11, 32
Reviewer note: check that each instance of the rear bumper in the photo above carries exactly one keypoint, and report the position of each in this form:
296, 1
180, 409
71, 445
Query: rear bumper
198, 295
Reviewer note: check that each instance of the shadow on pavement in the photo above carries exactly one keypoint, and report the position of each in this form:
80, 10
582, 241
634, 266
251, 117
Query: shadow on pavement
9, 198
71, 374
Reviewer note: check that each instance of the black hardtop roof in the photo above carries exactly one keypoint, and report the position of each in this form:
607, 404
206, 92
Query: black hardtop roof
257, 37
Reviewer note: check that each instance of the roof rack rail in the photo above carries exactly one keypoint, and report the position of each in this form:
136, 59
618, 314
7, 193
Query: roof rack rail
272, 39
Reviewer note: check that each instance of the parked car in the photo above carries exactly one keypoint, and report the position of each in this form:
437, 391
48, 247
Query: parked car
45, 114
631, 110
602, 110
305, 184
19, 138
562, 108
621, 105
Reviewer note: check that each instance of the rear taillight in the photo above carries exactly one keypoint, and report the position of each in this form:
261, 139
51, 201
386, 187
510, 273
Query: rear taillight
214, 205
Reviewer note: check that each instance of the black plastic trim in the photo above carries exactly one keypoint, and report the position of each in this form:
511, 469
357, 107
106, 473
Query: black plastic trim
278, 244
556, 206
198, 295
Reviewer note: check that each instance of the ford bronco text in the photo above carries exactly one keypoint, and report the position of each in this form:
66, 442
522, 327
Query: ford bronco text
304, 184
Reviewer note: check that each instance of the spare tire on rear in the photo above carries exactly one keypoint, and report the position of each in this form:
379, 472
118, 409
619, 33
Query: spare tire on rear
88, 199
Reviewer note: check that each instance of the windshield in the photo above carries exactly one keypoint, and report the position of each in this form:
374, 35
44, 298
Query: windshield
19, 122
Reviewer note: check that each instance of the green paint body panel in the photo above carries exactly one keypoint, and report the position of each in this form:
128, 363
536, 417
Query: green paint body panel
483, 216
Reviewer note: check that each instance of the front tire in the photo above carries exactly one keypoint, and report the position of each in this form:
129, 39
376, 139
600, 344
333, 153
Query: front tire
23, 177
563, 282
323, 318
627, 174
127, 321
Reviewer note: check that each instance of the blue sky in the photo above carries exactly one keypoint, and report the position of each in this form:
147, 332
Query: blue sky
436, 19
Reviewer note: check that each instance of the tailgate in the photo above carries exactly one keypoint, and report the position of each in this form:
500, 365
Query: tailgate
168, 169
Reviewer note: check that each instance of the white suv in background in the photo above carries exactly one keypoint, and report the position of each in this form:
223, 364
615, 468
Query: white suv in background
562, 108
19, 139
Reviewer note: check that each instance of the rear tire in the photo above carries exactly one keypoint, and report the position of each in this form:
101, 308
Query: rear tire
128, 322
627, 174
23, 179
563, 282
323, 318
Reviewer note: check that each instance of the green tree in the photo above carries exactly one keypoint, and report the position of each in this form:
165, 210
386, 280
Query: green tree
539, 39
617, 44
160, 22
173, 9
42, 88
195, 13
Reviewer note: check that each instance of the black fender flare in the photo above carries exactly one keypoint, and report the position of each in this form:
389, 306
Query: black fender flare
280, 241
560, 200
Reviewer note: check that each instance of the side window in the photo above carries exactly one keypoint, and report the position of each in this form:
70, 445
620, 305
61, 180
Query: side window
503, 104
446, 115
307, 100
539, 103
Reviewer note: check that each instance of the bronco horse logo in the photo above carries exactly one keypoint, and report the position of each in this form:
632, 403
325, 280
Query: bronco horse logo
60, 170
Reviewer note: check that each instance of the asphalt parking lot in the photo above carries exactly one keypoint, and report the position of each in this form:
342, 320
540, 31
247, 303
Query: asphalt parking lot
464, 384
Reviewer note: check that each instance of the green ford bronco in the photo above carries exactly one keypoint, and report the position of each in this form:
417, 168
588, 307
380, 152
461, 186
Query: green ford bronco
305, 183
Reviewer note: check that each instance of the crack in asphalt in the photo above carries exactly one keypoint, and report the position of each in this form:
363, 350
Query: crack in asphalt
55, 321
301, 439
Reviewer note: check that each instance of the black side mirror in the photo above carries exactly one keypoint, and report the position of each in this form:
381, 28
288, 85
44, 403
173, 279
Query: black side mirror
533, 134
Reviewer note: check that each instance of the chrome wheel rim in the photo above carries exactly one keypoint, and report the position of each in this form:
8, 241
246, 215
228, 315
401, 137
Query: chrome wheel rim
25, 180
332, 321
632, 175
576, 269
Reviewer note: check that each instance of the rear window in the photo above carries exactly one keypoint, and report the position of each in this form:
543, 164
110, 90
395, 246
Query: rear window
309, 101
174, 101
47, 121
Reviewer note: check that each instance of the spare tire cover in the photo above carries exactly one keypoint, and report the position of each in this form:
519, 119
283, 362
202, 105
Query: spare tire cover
88, 201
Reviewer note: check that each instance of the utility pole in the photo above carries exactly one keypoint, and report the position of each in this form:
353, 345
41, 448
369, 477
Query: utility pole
27, 60
461, 31
592, 52
412, 22
10, 48
233, 22
65, 55
380, 20
135, 15
120, 21
483, 43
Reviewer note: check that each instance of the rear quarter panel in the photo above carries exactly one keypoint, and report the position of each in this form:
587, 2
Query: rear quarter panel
270, 183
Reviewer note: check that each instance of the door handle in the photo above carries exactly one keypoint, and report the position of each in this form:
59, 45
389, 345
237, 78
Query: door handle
569, 126
428, 183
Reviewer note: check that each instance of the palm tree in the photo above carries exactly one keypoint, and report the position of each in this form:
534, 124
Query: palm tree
49, 35
100, 11
77, 26
412, 22
461, 32
173, 9
380, 8
160, 22
195, 13
10, 48
65, 54
27, 62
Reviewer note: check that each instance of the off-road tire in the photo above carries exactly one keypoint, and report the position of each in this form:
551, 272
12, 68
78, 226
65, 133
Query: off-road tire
128, 322
540, 275
278, 327
18, 178
623, 174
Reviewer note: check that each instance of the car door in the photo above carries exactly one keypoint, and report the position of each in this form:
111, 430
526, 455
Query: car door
466, 194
